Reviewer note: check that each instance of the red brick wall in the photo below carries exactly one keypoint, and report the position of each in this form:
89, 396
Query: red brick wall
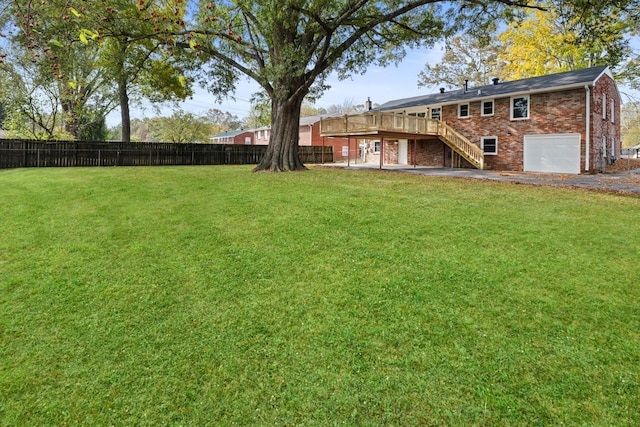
604, 127
432, 152
337, 143
557, 112
239, 139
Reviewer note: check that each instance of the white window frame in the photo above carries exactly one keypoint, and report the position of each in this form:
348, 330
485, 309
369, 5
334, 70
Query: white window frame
376, 144
612, 112
431, 110
512, 109
460, 116
604, 106
482, 139
493, 108
613, 147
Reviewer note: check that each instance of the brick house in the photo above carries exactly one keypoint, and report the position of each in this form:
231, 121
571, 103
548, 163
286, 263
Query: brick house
241, 137
566, 123
309, 134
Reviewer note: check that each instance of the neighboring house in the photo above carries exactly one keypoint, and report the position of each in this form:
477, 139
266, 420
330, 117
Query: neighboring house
244, 137
566, 123
309, 134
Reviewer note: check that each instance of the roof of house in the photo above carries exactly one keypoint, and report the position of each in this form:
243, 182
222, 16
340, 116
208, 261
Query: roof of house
551, 82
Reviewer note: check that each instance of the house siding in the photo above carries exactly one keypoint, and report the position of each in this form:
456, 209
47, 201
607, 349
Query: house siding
336, 142
563, 104
549, 113
431, 152
603, 127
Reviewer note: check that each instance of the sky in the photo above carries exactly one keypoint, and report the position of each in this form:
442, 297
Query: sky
378, 83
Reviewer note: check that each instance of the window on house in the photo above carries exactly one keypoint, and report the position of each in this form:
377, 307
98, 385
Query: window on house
613, 148
376, 146
436, 113
519, 107
604, 106
463, 110
604, 146
612, 112
487, 108
489, 144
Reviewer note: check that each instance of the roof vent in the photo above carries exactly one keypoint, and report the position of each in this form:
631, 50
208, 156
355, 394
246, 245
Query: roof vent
495, 81
441, 90
466, 86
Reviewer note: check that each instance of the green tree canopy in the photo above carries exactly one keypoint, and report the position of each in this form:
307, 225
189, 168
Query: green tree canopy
291, 50
100, 53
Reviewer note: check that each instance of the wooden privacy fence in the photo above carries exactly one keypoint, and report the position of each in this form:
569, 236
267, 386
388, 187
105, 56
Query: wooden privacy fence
28, 154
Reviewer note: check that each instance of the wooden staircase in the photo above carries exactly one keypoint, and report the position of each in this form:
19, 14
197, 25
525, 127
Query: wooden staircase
461, 145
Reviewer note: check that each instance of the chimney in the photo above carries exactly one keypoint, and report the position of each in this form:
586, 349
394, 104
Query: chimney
368, 104
441, 90
495, 81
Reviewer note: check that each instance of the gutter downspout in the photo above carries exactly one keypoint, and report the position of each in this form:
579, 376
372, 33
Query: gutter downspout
588, 129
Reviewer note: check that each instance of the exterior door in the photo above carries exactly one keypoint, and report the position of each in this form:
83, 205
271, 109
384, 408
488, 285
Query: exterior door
403, 151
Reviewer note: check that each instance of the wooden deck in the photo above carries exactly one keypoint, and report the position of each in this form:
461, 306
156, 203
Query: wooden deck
391, 125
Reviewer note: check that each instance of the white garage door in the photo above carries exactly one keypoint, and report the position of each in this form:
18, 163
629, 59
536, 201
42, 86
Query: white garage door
559, 153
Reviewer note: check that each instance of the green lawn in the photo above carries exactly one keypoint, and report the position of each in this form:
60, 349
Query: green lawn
214, 296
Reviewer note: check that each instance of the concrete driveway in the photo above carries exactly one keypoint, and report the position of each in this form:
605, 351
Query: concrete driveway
625, 183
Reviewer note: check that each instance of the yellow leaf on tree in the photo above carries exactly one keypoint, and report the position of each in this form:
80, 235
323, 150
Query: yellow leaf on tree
55, 43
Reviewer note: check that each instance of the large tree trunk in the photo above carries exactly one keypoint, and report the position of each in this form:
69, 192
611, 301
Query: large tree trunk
125, 116
282, 153
71, 120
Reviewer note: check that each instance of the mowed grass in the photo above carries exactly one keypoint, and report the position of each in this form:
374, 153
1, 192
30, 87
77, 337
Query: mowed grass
215, 296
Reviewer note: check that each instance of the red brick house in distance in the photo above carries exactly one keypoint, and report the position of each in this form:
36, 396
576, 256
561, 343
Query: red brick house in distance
309, 134
243, 137
563, 123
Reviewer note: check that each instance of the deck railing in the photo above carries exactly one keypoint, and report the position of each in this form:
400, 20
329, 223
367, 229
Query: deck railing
462, 145
372, 123
375, 122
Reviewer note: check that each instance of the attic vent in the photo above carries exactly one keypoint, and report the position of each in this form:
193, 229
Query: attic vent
441, 90
495, 81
